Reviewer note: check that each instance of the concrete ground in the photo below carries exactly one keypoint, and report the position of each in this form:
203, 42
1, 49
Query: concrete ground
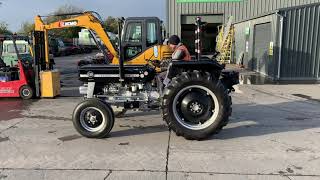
274, 133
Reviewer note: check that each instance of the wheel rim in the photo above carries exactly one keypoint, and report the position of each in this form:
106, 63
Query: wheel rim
196, 107
26, 92
92, 119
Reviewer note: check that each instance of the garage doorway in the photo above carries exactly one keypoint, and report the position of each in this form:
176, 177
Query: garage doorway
261, 43
209, 34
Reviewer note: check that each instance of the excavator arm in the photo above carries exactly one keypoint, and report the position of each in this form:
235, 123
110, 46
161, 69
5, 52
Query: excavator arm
85, 20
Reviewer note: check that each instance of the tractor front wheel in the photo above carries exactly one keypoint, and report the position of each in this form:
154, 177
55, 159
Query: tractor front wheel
93, 118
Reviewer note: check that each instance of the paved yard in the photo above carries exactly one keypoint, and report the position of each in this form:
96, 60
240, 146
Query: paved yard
273, 134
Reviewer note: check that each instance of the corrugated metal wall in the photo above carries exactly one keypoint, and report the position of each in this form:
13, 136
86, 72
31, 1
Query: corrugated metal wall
240, 10
301, 43
300, 56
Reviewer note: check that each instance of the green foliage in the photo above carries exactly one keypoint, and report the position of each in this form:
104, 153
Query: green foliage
26, 28
4, 28
64, 33
111, 24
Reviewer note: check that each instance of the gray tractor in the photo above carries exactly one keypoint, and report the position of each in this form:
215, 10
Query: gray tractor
194, 100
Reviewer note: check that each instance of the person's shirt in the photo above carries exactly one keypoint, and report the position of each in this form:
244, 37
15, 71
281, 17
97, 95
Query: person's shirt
181, 53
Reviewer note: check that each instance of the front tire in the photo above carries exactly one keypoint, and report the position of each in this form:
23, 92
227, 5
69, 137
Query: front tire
93, 118
26, 92
196, 105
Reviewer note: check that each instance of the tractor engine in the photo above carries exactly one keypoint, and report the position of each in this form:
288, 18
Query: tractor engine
140, 96
138, 90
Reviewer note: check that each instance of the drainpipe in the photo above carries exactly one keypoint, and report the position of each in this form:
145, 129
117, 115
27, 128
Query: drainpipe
280, 44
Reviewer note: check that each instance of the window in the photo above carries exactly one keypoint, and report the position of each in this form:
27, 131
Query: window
151, 34
134, 32
22, 48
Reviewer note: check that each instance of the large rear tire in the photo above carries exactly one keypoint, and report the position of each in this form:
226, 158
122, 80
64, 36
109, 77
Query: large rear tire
196, 105
93, 118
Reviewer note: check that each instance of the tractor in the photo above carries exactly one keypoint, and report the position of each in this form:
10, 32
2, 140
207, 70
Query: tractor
194, 98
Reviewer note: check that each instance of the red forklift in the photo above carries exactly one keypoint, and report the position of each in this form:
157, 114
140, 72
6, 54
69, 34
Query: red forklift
18, 80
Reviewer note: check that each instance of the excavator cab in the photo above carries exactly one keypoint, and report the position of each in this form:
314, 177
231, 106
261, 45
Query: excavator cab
140, 34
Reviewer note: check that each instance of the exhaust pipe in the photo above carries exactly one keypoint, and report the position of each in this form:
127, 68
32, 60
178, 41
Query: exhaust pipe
198, 38
121, 54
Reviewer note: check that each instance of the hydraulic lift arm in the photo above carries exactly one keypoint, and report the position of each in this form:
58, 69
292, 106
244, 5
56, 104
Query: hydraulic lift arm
86, 20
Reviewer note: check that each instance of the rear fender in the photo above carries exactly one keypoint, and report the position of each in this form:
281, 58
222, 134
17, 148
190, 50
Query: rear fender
177, 67
228, 78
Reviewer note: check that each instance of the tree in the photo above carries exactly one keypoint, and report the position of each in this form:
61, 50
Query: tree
64, 33
4, 28
111, 24
26, 28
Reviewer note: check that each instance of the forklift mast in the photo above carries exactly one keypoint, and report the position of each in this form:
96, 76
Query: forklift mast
39, 58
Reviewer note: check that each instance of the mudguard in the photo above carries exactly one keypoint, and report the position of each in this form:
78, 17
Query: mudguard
176, 67
228, 78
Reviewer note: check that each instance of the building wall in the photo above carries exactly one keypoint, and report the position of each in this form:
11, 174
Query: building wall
241, 38
240, 10
301, 43
300, 55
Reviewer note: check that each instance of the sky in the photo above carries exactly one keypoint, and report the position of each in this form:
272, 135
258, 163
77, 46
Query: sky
15, 12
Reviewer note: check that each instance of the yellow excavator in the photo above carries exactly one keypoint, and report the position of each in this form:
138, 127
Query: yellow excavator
142, 37
141, 42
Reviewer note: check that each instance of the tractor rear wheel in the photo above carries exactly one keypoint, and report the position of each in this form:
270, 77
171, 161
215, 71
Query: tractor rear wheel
93, 118
196, 105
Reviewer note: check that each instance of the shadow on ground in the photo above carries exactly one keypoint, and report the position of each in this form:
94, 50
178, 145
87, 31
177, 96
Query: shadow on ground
141, 114
258, 120
11, 108
247, 120
139, 130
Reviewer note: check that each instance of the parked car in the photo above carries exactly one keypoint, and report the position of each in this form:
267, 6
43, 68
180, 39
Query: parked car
97, 59
85, 49
57, 47
72, 49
